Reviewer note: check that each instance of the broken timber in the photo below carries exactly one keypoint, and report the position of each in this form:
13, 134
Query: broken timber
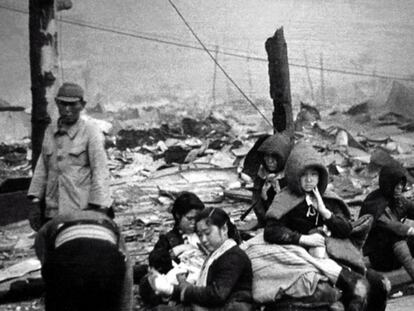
43, 67
276, 49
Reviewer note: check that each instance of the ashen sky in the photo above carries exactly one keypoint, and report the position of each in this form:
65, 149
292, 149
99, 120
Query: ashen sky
367, 36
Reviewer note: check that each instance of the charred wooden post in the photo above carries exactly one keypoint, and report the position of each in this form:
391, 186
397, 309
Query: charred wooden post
43, 67
276, 49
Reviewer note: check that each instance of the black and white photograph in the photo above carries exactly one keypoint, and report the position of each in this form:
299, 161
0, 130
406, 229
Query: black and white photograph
206, 155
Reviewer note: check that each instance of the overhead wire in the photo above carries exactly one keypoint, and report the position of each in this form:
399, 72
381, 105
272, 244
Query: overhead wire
236, 55
219, 65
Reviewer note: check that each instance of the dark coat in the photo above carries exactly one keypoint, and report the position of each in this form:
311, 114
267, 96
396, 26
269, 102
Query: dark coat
286, 218
389, 214
290, 227
229, 283
160, 257
45, 246
45, 238
260, 204
279, 146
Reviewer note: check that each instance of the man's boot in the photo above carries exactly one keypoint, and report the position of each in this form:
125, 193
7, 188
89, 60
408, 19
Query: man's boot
403, 254
354, 288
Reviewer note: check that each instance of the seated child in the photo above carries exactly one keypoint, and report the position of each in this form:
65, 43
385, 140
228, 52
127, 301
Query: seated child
225, 281
272, 155
390, 242
300, 210
178, 249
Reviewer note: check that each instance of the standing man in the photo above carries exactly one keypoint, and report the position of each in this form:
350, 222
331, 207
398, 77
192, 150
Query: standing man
71, 173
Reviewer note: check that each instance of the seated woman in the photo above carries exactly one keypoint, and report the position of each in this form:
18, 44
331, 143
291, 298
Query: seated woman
390, 242
272, 155
179, 245
225, 281
304, 214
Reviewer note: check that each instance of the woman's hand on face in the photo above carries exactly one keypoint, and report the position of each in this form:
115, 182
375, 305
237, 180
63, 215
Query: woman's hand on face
312, 240
321, 205
317, 195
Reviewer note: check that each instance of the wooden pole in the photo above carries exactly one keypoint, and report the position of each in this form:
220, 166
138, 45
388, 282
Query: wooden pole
322, 81
308, 74
215, 75
249, 72
276, 49
249, 76
43, 67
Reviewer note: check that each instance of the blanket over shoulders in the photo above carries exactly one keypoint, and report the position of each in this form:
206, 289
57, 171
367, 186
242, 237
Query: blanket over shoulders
287, 200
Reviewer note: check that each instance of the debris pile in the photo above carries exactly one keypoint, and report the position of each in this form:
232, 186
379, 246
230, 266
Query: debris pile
15, 159
149, 167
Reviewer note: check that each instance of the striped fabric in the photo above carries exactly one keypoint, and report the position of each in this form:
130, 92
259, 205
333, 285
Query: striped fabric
286, 269
85, 231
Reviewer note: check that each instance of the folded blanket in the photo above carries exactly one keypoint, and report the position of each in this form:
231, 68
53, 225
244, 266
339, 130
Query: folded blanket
286, 270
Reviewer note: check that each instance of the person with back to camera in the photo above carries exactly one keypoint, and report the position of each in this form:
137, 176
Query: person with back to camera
85, 265
390, 243
304, 214
179, 246
225, 281
71, 173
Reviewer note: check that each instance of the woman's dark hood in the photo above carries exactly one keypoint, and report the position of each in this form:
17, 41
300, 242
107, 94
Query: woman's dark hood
389, 177
377, 201
277, 145
304, 156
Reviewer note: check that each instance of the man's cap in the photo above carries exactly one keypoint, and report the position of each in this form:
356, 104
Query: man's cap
69, 92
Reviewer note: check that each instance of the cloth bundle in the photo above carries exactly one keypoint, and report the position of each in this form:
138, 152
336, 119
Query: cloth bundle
286, 269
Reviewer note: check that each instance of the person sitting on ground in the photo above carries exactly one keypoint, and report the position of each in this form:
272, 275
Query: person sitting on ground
390, 243
272, 155
304, 214
85, 266
225, 281
177, 248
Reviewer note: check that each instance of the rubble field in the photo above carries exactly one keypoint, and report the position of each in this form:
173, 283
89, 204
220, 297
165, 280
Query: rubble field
151, 164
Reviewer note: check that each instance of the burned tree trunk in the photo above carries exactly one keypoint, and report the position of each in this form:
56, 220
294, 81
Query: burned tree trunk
43, 67
280, 83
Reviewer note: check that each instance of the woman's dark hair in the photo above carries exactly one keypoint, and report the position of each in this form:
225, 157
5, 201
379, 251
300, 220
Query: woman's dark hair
218, 217
184, 203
